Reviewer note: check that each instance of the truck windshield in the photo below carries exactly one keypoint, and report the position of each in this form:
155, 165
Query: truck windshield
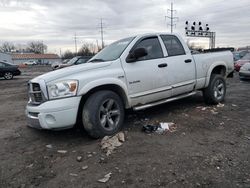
113, 51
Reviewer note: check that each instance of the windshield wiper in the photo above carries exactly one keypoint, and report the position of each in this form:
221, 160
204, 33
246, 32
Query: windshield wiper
97, 60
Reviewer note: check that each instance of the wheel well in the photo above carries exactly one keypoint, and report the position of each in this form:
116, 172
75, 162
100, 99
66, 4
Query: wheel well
112, 87
219, 70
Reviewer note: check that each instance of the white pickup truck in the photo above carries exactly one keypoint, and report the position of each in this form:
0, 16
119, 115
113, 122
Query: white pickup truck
136, 72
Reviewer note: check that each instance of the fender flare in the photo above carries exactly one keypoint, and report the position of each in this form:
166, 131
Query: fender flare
211, 68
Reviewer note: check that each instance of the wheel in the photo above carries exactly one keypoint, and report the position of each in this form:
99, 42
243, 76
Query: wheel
103, 114
8, 75
216, 90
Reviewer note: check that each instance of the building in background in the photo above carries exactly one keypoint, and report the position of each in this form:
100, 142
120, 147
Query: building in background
43, 59
5, 57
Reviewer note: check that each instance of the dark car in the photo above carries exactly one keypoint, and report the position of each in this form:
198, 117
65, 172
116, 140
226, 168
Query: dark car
74, 61
8, 70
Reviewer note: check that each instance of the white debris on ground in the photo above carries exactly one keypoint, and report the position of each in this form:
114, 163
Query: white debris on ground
166, 126
214, 112
105, 179
61, 151
220, 105
109, 143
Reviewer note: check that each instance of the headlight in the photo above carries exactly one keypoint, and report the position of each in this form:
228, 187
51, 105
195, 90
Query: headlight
67, 88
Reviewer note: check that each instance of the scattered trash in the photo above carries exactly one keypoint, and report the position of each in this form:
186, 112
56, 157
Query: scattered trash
247, 137
222, 123
234, 105
49, 146
61, 151
89, 155
214, 112
71, 174
150, 128
218, 168
79, 158
85, 167
160, 129
220, 105
94, 153
109, 143
202, 108
30, 166
106, 178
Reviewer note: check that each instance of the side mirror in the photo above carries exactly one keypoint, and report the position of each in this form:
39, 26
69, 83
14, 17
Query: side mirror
136, 54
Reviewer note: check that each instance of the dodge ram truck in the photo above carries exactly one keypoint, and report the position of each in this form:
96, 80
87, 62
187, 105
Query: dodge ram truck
136, 72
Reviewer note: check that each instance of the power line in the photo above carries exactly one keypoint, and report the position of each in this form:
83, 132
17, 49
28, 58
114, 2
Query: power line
75, 44
101, 27
172, 18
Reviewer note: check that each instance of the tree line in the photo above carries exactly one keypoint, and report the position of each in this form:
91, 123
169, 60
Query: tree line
31, 47
87, 49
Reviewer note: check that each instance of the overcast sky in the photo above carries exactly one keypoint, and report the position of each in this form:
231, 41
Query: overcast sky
55, 21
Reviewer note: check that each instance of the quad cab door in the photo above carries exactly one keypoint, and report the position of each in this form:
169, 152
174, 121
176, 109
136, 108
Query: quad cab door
147, 77
181, 66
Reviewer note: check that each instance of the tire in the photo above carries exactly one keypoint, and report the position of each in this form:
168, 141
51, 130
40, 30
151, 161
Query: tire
8, 75
216, 90
103, 114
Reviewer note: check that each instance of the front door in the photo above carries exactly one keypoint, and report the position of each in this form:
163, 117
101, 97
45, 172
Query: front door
147, 77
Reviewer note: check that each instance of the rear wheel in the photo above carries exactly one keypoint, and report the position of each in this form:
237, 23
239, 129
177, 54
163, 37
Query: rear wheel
8, 75
103, 114
216, 90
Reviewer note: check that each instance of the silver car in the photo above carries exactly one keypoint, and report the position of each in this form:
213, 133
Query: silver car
244, 72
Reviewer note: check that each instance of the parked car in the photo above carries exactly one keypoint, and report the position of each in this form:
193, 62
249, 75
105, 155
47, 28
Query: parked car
242, 61
244, 72
239, 54
31, 62
74, 61
8, 70
136, 72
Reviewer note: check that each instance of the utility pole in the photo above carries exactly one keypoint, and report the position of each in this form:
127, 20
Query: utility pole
101, 27
171, 17
75, 44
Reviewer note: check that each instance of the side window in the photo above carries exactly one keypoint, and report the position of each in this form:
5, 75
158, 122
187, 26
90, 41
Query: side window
2, 64
173, 45
153, 47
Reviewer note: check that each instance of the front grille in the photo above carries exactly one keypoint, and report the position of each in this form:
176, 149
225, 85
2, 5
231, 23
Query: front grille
35, 93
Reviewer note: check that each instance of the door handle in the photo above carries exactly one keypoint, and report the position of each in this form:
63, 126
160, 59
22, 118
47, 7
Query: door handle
188, 60
162, 65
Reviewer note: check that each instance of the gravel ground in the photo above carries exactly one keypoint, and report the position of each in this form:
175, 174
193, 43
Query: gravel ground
210, 147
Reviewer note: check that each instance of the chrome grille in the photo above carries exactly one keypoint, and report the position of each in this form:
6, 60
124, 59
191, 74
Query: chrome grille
35, 94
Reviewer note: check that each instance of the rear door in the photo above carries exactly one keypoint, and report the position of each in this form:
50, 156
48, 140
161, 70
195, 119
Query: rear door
2, 68
146, 78
181, 66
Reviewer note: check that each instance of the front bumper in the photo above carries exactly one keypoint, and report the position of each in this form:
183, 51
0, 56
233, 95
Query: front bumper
54, 114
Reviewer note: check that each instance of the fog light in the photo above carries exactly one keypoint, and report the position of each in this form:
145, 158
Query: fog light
50, 119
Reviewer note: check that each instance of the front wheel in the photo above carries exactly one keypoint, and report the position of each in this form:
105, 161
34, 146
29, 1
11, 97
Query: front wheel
216, 90
8, 75
103, 114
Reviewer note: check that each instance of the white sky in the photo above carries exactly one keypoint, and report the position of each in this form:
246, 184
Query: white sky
54, 22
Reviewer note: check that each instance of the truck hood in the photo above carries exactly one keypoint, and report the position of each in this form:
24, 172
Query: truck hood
57, 74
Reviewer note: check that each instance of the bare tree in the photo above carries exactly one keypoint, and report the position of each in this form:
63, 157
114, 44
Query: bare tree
67, 55
7, 47
36, 47
87, 49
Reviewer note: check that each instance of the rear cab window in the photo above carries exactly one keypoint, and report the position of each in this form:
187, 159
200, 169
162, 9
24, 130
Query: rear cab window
172, 45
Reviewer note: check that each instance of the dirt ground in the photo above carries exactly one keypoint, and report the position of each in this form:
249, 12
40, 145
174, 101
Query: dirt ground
206, 150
